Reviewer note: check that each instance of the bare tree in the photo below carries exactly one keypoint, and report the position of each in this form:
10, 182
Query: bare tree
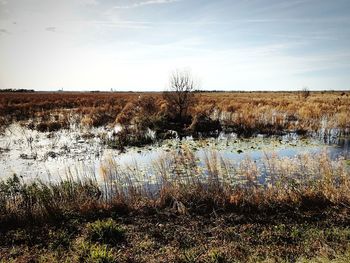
305, 92
181, 95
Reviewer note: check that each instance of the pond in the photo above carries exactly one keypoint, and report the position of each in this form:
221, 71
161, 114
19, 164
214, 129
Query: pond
50, 156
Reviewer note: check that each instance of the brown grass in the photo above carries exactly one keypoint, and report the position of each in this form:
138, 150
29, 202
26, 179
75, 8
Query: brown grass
245, 113
218, 212
180, 183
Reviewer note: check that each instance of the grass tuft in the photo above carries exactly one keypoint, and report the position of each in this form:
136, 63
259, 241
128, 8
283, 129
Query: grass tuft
106, 232
95, 253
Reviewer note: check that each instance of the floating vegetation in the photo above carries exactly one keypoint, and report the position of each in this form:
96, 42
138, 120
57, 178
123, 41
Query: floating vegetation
57, 152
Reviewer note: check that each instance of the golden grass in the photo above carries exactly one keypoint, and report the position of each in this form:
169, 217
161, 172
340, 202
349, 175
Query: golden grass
245, 111
179, 181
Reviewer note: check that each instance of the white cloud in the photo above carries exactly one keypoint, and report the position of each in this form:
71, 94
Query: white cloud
94, 48
123, 24
88, 2
51, 29
144, 3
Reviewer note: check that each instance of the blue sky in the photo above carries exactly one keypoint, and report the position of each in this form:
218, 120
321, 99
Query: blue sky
136, 44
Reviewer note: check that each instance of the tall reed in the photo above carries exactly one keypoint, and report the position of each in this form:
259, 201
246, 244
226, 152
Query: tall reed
182, 182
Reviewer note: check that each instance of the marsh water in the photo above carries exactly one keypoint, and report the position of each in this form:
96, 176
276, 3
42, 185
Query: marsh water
50, 156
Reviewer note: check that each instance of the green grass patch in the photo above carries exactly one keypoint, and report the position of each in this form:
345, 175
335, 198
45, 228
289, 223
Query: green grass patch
105, 231
95, 253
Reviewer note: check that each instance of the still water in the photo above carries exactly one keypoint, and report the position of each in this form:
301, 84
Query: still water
48, 156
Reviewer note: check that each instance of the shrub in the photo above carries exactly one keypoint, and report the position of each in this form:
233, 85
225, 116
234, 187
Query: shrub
100, 254
106, 231
94, 253
59, 239
204, 124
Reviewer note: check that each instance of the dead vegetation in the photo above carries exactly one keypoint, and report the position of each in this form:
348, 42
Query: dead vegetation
219, 212
246, 113
179, 182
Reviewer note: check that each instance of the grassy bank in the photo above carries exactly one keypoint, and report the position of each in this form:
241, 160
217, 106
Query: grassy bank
165, 236
283, 209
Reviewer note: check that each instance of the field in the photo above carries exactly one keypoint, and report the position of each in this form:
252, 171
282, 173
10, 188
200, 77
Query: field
244, 112
230, 177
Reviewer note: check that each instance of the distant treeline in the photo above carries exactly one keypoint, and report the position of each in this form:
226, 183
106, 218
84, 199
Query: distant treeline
17, 90
343, 92
268, 91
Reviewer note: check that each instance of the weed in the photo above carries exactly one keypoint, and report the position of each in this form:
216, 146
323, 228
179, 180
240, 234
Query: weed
59, 239
95, 253
189, 256
106, 231
216, 256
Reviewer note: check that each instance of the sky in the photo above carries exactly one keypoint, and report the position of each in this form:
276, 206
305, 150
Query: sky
136, 44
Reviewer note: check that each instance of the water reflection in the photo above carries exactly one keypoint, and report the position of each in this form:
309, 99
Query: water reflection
234, 149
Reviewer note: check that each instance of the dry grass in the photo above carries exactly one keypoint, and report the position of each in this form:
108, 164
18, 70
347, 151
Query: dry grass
178, 181
282, 209
277, 111
216, 211
245, 113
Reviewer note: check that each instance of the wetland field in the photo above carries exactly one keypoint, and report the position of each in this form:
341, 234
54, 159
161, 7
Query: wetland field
170, 177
